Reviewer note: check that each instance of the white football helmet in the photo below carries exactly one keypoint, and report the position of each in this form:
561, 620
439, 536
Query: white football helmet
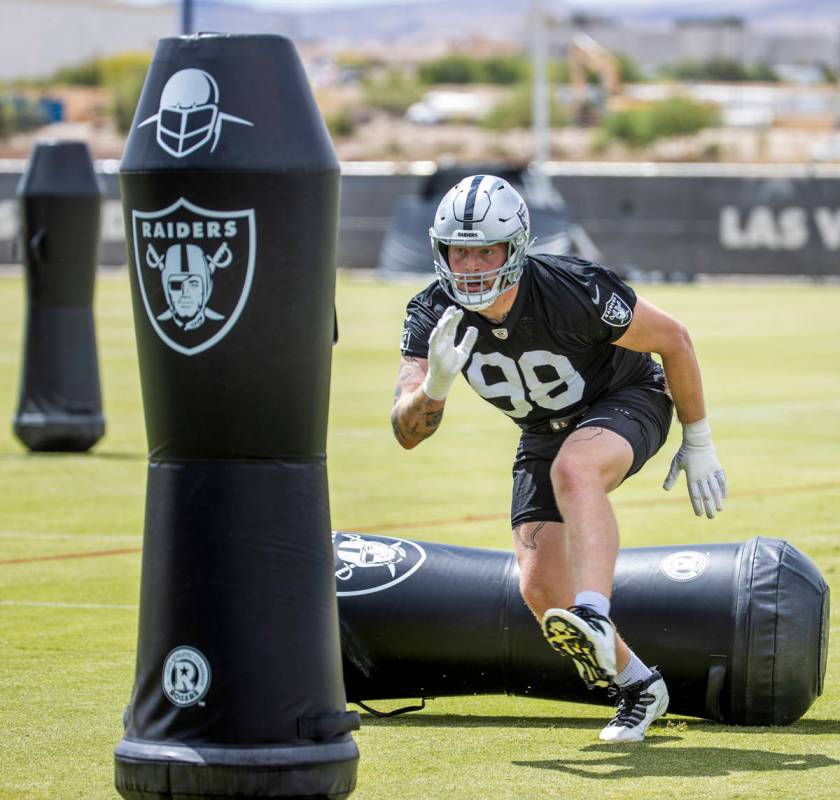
481, 209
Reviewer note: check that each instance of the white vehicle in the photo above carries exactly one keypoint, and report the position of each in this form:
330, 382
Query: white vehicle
446, 106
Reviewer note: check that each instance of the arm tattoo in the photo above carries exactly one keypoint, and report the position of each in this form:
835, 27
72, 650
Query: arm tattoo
413, 419
408, 368
403, 434
420, 425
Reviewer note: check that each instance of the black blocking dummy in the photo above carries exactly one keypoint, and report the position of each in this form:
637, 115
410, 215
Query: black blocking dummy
60, 407
230, 193
740, 631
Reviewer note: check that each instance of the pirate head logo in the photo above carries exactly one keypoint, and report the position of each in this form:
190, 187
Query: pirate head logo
194, 269
188, 116
366, 564
616, 312
187, 280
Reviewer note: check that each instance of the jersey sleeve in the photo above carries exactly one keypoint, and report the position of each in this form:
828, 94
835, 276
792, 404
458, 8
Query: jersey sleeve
602, 307
420, 320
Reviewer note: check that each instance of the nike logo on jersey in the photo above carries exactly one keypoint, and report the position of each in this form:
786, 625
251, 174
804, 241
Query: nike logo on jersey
591, 419
597, 295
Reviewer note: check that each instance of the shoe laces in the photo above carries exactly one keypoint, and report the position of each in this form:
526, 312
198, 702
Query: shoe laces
591, 617
632, 702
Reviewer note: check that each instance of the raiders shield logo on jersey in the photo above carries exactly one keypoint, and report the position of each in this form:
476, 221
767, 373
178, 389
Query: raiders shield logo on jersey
616, 312
194, 269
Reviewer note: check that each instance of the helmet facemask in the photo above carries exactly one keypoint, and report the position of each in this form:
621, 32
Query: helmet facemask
481, 210
479, 290
183, 131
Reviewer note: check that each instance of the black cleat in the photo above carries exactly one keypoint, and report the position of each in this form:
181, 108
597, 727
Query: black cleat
639, 704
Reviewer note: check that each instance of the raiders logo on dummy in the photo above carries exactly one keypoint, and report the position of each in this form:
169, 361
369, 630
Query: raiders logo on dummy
194, 268
368, 564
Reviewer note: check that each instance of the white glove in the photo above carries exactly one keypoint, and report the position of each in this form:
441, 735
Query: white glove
703, 474
445, 359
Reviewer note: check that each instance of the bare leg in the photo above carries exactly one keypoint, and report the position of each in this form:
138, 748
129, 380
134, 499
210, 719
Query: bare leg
591, 463
559, 560
545, 574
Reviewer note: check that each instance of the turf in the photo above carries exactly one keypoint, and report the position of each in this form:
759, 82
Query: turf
770, 358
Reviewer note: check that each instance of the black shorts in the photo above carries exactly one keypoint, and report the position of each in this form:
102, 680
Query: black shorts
640, 414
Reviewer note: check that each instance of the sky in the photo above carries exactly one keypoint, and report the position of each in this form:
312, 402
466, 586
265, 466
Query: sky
301, 4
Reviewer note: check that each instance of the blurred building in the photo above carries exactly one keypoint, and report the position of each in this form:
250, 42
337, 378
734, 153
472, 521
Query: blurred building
39, 36
701, 39
711, 39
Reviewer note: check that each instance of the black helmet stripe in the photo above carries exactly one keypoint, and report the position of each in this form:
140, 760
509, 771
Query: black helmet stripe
469, 208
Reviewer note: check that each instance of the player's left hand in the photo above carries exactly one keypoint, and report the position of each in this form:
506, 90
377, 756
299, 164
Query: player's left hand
705, 478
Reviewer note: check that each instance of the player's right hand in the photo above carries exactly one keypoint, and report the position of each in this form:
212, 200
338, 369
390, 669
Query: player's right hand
446, 359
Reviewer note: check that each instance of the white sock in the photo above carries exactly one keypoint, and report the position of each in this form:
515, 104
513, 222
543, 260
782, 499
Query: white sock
595, 600
634, 671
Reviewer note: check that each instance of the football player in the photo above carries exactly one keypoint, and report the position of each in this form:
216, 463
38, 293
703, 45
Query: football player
563, 347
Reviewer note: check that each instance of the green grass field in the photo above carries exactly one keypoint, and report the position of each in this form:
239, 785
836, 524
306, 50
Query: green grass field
70, 534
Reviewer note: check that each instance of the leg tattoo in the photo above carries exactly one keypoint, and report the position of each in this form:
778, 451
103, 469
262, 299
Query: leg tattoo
531, 544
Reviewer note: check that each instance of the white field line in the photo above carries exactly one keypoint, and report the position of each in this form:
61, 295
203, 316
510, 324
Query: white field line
38, 604
72, 537
729, 412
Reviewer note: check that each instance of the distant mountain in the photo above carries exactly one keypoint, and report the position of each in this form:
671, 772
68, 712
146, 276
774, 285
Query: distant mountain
496, 18
784, 15
383, 22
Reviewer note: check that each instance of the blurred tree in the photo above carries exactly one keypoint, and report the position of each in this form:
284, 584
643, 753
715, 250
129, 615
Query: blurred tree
505, 70
723, 70
629, 69
829, 73
341, 122
516, 111
558, 71
454, 68
124, 97
394, 91
762, 73
677, 116
451, 69
123, 77
88, 73
352, 59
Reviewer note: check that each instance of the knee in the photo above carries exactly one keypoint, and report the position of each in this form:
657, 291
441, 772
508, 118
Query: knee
569, 475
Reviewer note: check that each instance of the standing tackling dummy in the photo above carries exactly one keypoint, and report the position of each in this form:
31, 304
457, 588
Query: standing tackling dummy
60, 406
230, 192
562, 346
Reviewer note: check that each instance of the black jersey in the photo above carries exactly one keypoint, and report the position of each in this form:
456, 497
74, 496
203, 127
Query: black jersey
552, 356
